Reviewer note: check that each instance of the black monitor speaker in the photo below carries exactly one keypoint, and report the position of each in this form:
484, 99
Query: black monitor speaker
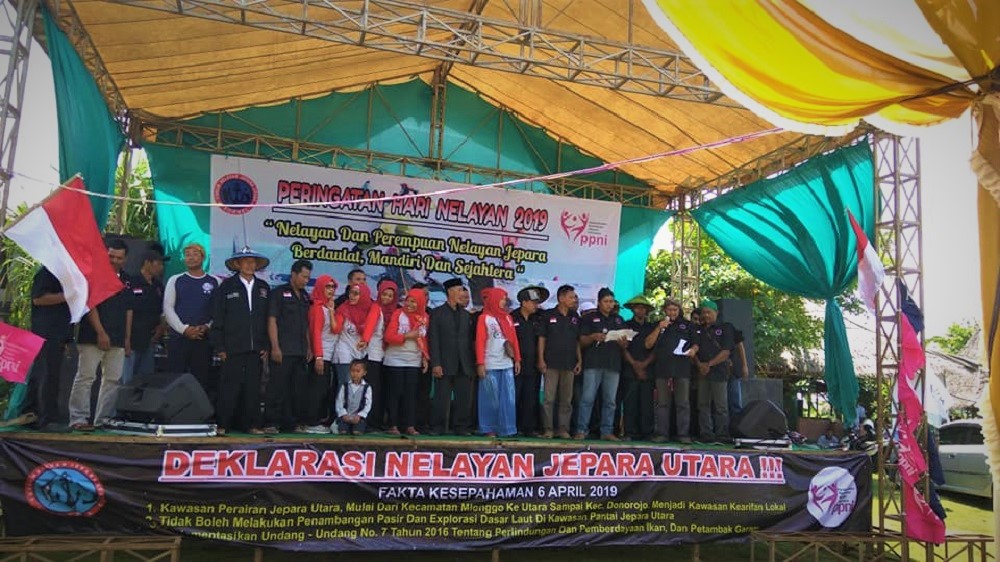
761, 419
167, 398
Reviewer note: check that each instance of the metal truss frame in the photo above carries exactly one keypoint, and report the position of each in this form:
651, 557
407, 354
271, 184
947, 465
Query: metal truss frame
257, 145
898, 241
685, 279
466, 37
15, 48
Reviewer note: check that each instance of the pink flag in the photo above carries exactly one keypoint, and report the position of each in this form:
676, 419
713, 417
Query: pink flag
62, 234
870, 270
921, 522
18, 349
912, 358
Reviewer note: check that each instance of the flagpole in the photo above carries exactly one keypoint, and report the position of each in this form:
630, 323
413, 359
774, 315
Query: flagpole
64, 185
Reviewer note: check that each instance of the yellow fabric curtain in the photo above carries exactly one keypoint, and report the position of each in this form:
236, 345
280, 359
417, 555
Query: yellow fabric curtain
816, 66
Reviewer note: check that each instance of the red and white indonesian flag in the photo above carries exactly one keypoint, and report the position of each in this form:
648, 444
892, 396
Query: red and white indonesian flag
62, 235
870, 270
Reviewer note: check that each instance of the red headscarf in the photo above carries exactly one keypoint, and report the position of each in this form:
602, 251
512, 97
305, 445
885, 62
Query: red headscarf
493, 298
419, 317
357, 313
319, 293
388, 309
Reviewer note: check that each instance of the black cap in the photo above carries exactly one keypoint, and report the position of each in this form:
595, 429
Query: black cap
453, 282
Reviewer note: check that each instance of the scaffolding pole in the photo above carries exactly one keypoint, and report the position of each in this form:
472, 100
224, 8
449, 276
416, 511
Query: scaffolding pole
15, 47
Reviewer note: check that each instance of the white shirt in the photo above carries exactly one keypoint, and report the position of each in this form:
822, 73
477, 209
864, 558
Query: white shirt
406, 355
496, 356
376, 347
327, 337
249, 287
346, 349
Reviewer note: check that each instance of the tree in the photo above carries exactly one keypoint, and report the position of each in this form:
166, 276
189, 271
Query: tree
956, 337
781, 321
136, 217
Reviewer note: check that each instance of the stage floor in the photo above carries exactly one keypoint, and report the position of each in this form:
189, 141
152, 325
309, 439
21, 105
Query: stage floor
386, 440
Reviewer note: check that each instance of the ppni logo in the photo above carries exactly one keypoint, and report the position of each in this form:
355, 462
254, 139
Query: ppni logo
64, 488
237, 194
832, 496
575, 225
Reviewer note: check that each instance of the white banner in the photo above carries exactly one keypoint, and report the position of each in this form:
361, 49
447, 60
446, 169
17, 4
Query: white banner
488, 237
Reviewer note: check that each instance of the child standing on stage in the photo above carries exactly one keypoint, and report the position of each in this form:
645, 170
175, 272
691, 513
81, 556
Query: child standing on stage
498, 361
354, 401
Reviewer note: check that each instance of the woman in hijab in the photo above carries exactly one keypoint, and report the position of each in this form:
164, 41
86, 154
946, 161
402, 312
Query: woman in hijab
498, 361
373, 337
353, 316
322, 324
405, 357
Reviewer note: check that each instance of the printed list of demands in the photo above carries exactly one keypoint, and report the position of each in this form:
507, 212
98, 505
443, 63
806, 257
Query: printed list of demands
463, 513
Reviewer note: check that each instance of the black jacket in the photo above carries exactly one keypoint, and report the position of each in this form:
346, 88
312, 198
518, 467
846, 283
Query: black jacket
450, 340
235, 328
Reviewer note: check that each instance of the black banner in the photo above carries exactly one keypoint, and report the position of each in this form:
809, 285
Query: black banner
346, 495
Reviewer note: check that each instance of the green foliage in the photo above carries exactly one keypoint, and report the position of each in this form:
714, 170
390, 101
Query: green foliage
956, 337
17, 270
135, 218
781, 321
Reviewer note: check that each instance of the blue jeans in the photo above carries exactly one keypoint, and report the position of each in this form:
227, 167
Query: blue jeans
607, 381
735, 397
497, 412
139, 363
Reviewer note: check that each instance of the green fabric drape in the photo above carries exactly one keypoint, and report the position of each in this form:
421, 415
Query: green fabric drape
635, 238
792, 232
180, 175
89, 138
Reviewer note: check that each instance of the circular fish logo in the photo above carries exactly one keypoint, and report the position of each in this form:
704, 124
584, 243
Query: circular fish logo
64, 488
237, 193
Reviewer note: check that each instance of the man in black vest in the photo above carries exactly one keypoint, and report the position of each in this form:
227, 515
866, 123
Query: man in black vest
527, 324
288, 332
239, 335
452, 366
712, 360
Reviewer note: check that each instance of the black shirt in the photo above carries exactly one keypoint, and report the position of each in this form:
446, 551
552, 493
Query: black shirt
112, 312
147, 309
52, 321
602, 355
528, 330
292, 313
714, 339
562, 338
668, 365
637, 347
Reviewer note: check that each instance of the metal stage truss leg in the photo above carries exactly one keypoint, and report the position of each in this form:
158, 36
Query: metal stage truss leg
20, 16
686, 275
897, 238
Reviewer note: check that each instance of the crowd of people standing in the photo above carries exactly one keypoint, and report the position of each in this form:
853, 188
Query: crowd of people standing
291, 360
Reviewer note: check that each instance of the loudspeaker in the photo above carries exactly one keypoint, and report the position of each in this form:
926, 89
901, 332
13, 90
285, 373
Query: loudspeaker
761, 419
739, 313
164, 398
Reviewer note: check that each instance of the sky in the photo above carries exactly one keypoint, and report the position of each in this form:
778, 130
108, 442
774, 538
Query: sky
950, 243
